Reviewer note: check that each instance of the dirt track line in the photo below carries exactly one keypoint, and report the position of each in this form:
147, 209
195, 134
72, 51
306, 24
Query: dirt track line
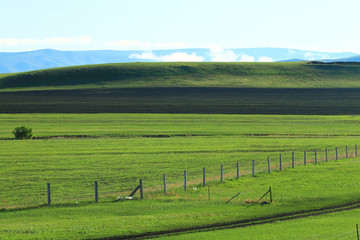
244, 223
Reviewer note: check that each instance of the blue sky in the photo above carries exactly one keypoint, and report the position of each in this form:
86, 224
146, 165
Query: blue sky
317, 25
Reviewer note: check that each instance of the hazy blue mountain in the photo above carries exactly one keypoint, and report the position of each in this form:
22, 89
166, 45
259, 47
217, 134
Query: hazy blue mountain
49, 58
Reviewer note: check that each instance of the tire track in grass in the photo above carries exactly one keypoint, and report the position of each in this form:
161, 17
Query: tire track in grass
244, 223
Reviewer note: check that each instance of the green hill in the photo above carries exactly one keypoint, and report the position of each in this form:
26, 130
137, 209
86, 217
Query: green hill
259, 75
235, 88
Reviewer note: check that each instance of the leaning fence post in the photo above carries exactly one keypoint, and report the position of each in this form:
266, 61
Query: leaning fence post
315, 156
96, 192
253, 168
204, 177
269, 167
221, 173
347, 152
141, 189
185, 180
280, 162
305, 158
164, 178
337, 155
270, 194
326, 155
293, 160
48, 194
237, 170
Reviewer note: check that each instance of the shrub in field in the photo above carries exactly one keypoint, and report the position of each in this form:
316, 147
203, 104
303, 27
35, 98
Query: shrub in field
22, 132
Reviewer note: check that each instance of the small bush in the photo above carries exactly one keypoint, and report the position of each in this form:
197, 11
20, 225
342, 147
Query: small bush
22, 133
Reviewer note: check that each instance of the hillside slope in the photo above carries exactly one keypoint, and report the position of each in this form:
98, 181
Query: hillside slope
234, 75
229, 88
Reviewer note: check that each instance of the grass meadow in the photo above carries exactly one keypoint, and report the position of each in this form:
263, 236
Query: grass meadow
121, 148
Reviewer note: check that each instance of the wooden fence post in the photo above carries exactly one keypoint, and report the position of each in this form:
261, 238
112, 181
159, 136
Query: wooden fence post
269, 166
49, 194
237, 170
204, 177
270, 194
185, 180
141, 189
96, 192
293, 160
253, 168
164, 178
315, 156
305, 158
280, 162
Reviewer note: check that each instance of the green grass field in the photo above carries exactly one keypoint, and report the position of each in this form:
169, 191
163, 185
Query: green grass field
341, 225
126, 147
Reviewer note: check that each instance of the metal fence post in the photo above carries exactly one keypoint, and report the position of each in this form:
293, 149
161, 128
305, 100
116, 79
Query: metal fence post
96, 192
221, 173
141, 189
355, 150
326, 155
164, 178
347, 151
49, 194
237, 170
305, 158
204, 177
280, 162
253, 168
315, 156
337, 155
185, 180
293, 160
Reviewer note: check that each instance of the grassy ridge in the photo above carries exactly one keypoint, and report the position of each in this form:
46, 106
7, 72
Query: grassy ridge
263, 75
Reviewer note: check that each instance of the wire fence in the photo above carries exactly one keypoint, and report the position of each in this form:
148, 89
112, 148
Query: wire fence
64, 191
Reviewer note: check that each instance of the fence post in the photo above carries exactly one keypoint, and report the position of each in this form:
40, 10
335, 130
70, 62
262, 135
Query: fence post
337, 155
326, 155
141, 189
347, 152
315, 156
355, 150
164, 178
48, 194
96, 192
293, 160
185, 180
204, 177
305, 158
270, 194
280, 162
269, 167
253, 168
221, 173
237, 170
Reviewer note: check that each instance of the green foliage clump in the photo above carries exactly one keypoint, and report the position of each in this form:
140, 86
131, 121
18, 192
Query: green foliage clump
22, 132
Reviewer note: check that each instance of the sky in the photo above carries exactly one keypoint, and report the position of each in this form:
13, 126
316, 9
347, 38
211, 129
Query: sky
316, 25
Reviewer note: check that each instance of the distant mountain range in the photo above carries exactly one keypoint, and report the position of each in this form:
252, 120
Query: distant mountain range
11, 62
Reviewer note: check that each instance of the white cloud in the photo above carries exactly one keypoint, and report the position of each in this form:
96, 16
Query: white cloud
174, 57
218, 54
265, 59
48, 41
246, 58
